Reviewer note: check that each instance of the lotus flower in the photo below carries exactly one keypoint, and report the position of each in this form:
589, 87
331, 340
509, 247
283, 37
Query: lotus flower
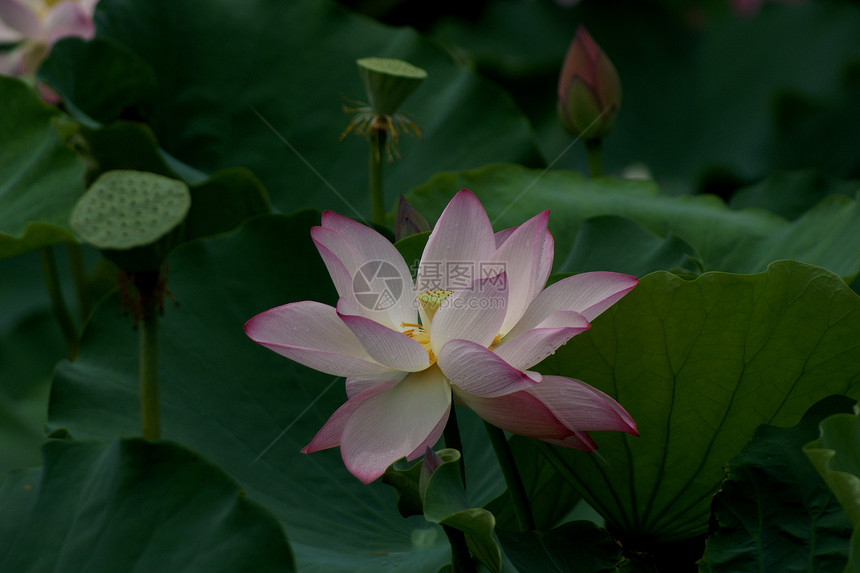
36, 25
466, 331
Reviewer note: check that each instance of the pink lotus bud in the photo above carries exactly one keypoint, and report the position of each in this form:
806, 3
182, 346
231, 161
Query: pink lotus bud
589, 91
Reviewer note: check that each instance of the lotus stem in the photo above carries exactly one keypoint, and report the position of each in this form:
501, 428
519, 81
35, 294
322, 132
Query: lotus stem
461, 559
525, 519
377, 195
453, 440
149, 410
58, 303
79, 276
595, 161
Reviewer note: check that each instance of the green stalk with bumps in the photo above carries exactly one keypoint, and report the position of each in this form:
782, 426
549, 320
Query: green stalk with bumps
135, 219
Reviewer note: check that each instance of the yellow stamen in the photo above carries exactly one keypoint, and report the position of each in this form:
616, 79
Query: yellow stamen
422, 337
431, 299
496, 341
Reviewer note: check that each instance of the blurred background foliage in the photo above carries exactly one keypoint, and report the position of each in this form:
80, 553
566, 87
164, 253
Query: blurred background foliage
716, 94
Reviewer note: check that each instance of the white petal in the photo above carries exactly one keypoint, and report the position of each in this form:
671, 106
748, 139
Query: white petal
478, 370
346, 306
357, 384
531, 347
461, 241
475, 314
432, 438
394, 423
588, 294
311, 333
330, 434
521, 257
389, 347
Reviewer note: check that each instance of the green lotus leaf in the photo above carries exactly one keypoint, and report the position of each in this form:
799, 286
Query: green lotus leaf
575, 547
745, 241
836, 456
700, 365
774, 512
41, 179
445, 502
133, 505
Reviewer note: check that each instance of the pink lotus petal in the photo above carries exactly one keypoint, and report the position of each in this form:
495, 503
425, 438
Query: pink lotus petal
545, 263
395, 423
588, 294
581, 407
355, 278
463, 236
331, 433
372, 271
520, 413
502, 236
311, 333
333, 250
357, 384
521, 256
475, 313
22, 18
479, 371
69, 19
577, 441
346, 306
531, 347
389, 347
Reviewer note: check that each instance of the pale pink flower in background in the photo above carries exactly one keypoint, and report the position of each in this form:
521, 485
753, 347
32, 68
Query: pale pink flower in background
35, 25
466, 331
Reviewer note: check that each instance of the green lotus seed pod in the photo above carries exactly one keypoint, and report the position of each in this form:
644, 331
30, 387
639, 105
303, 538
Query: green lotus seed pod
388, 82
135, 218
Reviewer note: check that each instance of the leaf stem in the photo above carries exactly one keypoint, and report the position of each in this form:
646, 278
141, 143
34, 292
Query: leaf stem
58, 303
377, 195
461, 559
79, 276
595, 160
512, 477
149, 411
451, 433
